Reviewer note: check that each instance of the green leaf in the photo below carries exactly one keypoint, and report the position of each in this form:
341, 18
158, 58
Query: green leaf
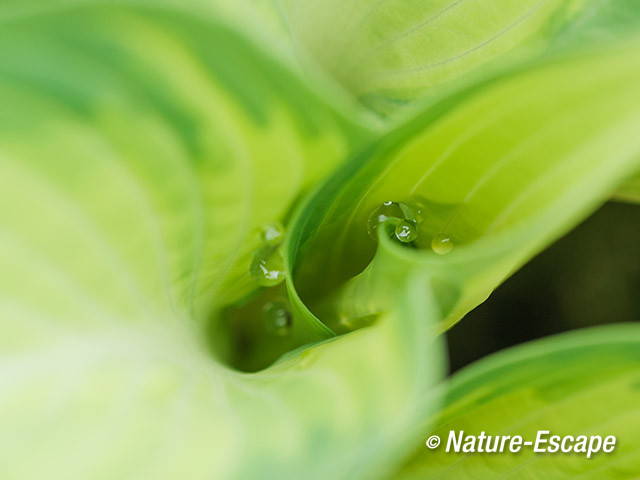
502, 169
630, 190
580, 383
141, 149
389, 52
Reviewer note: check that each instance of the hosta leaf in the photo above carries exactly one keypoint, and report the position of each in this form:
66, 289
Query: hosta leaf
72, 83
140, 151
262, 21
580, 383
388, 52
502, 169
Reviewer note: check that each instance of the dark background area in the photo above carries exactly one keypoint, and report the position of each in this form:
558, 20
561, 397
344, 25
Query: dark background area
589, 277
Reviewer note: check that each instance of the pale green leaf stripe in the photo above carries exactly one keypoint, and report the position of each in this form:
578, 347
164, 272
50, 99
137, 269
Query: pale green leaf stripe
140, 152
579, 383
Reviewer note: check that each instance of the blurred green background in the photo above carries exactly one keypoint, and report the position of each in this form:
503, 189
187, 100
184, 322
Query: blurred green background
589, 277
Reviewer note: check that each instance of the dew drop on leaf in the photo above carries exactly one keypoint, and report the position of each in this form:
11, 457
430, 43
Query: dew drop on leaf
395, 213
383, 213
441, 244
267, 267
412, 213
277, 318
273, 234
406, 232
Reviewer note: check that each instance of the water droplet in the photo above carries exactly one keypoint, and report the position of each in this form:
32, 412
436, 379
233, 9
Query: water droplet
267, 267
441, 244
388, 211
406, 232
395, 213
277, 318
411, 213
273, 234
